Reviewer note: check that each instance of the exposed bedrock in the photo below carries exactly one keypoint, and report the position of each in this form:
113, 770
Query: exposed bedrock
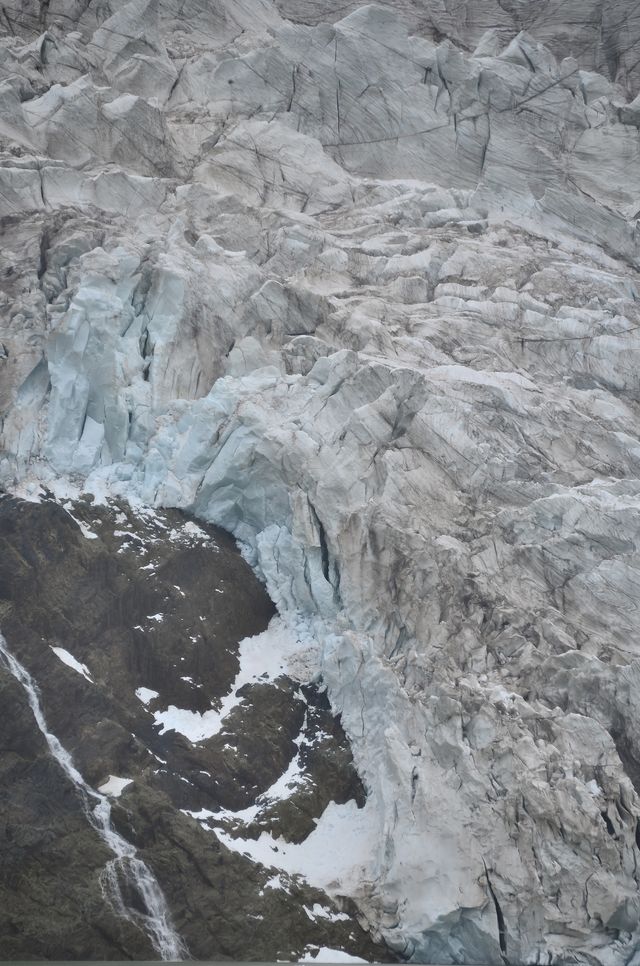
363, 290
113, 614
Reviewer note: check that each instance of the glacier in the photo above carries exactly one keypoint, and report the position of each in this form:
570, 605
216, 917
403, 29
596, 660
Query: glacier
360, 285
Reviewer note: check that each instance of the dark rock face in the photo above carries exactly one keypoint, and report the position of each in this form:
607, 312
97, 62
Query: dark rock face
131, 597
51, 904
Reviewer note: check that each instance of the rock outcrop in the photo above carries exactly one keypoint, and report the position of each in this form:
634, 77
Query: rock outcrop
360, 286
122, 655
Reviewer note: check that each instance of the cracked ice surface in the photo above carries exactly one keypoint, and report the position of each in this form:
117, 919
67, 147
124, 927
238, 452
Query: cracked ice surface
361, 286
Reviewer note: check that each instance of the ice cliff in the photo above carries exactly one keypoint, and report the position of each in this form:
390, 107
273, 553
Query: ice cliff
360, 285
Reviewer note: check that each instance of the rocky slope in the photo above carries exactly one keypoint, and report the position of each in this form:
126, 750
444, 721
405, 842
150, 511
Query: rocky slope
123, 656
360, 285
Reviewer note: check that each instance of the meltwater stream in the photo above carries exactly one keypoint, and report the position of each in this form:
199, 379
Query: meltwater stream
155, 919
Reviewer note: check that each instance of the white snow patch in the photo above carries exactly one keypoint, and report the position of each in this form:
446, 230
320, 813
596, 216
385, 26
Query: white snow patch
337, 856
281, 789
277, 882
291, 779
190, 533
71, 662
115, 786
192, 724
326, 955
86, 532
265, 657
321, 912
193, 530
201, 816
146, 695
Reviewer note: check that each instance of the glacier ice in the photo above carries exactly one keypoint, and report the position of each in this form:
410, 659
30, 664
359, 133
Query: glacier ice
361, 286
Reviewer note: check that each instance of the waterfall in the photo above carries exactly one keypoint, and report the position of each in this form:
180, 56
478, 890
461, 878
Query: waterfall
151, 912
